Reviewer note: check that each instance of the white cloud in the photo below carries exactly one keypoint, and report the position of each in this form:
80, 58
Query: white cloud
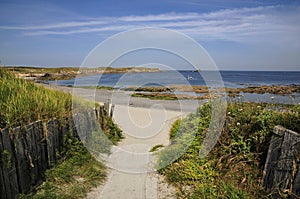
54, 26
239, 24
161, 17
81, 30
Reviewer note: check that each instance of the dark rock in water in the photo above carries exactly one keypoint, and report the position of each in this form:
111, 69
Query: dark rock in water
47, 75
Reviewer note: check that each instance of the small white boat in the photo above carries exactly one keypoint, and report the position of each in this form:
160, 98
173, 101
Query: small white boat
189, 77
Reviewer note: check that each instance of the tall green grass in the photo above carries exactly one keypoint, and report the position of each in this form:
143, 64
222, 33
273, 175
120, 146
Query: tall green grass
22, 102
234, 168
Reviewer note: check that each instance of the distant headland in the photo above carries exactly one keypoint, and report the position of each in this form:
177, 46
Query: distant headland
64, 73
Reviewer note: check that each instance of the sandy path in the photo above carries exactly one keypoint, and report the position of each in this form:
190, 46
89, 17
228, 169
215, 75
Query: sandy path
131, 174
145, 123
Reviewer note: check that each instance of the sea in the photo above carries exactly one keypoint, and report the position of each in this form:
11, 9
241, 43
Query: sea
166, 78
232, 79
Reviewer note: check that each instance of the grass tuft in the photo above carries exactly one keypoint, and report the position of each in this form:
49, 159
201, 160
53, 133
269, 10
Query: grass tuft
156, 147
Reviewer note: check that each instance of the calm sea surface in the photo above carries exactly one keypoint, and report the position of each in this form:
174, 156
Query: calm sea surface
229, 78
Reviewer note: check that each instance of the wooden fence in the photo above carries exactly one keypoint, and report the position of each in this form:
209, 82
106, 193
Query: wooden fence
26, 152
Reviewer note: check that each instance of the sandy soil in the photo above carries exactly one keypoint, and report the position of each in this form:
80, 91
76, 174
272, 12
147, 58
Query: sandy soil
132, 173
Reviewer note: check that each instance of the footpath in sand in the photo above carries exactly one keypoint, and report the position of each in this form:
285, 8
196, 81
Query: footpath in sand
131, 165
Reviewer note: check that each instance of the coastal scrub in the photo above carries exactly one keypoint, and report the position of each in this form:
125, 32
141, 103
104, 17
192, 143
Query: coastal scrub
234, 168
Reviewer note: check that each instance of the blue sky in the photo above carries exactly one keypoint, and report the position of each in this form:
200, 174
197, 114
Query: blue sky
238, 34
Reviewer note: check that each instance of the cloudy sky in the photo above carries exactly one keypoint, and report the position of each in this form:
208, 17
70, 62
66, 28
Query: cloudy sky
238, 34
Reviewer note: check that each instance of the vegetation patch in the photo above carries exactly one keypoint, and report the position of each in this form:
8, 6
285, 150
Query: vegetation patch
150, 89
234, 168
156, 147
169, 96
96, 87
73, 177
272, 89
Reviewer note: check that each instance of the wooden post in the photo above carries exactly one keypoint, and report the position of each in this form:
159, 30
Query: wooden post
112, 110
281, 170
23, 166
9, 179
106, 109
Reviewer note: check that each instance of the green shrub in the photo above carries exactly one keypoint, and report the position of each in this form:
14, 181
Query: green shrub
233, 169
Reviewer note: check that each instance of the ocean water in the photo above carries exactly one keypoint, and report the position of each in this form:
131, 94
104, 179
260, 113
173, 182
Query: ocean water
232, 79
166, 78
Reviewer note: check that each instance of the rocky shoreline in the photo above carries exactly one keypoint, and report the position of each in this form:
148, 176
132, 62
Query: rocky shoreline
185, 92
203, 92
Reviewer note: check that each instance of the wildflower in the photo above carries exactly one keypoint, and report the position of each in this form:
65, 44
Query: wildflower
229, 113
238, 124
258, 106
240, 109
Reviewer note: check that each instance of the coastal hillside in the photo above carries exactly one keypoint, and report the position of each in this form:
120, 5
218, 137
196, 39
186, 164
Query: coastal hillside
63, 73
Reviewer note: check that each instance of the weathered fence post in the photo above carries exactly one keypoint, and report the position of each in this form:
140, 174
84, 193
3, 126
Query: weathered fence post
112, 110
106, 108
281, 170
101, 116
23, 169
9, 181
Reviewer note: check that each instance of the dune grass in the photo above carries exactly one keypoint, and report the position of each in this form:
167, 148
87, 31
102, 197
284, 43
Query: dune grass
22, 102
234, 168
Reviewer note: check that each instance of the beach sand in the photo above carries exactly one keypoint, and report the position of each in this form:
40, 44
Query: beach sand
132, 173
